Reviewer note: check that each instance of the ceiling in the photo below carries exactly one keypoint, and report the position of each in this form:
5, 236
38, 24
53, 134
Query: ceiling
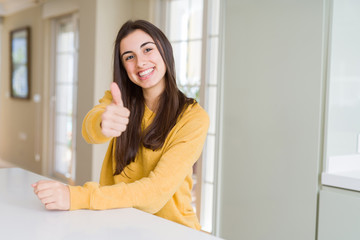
8, 7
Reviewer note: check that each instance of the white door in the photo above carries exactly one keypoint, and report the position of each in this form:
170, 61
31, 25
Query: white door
63, 97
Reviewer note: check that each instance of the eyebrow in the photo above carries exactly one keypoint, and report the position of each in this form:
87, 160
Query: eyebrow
141, 46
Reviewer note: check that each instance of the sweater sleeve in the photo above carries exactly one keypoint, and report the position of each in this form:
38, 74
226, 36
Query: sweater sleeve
150, 193
91, 130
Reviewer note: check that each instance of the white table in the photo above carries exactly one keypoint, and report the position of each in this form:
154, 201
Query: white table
22, 216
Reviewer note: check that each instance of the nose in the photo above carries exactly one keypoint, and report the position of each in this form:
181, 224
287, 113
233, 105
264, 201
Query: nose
141, 61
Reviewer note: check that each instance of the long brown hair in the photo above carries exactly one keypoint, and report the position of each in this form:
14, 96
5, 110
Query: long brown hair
171, 102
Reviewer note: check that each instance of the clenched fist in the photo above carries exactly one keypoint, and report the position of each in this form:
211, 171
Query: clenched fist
116, 117
54, 195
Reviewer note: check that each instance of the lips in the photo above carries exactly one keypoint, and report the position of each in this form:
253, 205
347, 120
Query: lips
146, 73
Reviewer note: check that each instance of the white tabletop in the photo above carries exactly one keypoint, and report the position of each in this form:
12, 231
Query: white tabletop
22, 216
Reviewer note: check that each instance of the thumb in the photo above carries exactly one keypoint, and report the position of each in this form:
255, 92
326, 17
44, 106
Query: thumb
116, 94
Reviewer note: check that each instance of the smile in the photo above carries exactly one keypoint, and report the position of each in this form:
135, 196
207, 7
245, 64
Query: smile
146, 72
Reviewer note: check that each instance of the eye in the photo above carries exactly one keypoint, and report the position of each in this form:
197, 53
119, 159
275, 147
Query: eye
148, 49
129, 57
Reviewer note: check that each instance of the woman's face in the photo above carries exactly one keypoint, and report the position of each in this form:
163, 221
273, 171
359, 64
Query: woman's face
143, 62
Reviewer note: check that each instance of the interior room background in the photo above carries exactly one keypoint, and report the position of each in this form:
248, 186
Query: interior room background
279, 79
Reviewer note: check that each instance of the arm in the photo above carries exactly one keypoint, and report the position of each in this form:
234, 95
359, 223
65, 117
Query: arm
106, 120
91, 129
150, 193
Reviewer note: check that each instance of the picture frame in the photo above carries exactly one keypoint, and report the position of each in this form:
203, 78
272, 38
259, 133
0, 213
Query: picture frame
20, 70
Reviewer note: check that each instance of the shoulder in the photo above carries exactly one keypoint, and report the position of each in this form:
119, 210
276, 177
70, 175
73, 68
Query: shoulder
195, 109
194, 114
192, 126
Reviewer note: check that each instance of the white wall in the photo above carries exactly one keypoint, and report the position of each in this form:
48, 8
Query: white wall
86, 86
1, 22
272, 119
20, 120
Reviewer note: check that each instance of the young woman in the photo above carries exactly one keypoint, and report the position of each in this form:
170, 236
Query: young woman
156, 135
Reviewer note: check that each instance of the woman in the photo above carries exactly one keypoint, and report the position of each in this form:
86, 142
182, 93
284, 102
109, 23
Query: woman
156, 135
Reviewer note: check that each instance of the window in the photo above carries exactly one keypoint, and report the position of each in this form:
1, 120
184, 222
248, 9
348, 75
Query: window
342, 148
192, 27
184, 30
64, 94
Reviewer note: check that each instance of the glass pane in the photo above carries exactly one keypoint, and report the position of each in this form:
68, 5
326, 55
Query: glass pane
207, 207
212, 99
180, 56
209, 161
64, 130
215, 15
194, 63
64, 98
191, 91
213, 70
178, 12
62, 159
65, 93
19, 82
195, 19
65, 68
65, 39
344, 80
19, 45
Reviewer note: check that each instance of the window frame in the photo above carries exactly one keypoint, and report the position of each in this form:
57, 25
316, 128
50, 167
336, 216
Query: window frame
74, 18
159, 14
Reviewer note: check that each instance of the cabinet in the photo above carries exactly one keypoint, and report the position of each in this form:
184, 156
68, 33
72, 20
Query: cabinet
339, 214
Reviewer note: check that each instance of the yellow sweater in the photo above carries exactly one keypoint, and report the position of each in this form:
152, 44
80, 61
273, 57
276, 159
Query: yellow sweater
158, 182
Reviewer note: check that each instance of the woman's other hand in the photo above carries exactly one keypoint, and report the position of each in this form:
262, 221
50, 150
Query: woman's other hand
54, 195
116, 117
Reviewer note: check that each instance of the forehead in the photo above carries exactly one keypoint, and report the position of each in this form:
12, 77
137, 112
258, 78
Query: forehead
134, 40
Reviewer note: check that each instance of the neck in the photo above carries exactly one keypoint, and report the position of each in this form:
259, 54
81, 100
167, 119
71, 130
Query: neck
152, 95
151, 99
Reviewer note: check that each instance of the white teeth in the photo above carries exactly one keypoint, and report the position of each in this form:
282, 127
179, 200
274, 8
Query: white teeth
146, 72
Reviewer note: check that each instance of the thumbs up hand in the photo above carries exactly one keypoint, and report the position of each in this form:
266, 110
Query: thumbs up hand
116, 117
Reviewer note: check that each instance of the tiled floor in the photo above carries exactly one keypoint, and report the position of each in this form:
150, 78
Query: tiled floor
4, 164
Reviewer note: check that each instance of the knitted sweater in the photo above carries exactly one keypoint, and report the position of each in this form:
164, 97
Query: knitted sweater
157, 182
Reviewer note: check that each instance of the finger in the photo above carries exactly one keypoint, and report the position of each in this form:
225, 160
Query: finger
36, 184
51, 206
47, 200
113, 122
122, 121
118, 128
54, 206
111, 133
44, 181
45, 194
44, 184
119, 111
116, 94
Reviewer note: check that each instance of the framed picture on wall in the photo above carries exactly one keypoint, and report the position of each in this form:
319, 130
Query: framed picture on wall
20, 63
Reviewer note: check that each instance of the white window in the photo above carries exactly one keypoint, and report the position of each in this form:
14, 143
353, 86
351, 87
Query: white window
192, 27
342, 148
63, 97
